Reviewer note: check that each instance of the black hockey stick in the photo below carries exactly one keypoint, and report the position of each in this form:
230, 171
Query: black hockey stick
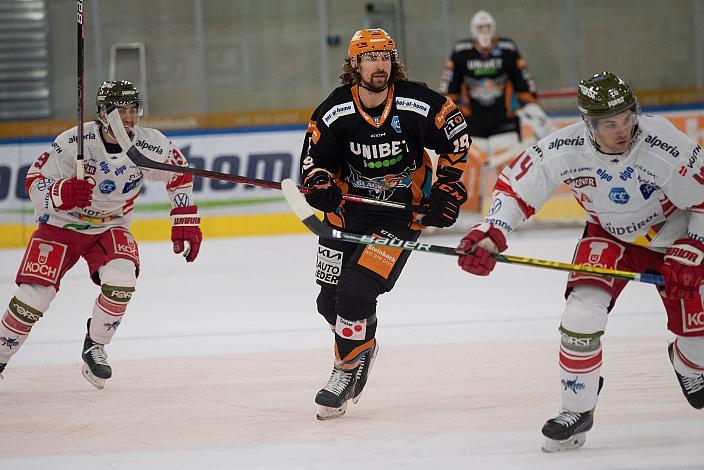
306, 214
80, 173
139, 159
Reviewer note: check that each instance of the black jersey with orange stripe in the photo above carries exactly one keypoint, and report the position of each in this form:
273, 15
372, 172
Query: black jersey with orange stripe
484, 85
380, 153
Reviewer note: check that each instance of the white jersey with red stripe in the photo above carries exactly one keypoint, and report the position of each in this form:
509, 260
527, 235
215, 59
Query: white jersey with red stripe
117, 181
650, 196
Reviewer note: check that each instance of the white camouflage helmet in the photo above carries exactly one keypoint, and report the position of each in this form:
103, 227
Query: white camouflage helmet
483, 28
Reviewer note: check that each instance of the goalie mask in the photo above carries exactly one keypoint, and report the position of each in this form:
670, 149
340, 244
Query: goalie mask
610, 110
483, 28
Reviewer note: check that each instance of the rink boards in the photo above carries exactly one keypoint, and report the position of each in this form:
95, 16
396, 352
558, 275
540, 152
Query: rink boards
231, 209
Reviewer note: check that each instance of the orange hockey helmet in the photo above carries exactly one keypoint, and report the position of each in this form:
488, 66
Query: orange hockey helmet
368, 40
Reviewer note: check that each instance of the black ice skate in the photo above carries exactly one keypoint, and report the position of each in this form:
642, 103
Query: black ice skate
95, 369
365, 366
334, 396
2, 368
568, 430
692, 386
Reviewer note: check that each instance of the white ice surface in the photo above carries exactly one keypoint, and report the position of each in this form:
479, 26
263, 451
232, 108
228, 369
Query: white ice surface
245, 310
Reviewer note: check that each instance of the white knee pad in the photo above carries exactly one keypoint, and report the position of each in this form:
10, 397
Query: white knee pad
481, 143
37, 297
586, 311
501, 142
119, 273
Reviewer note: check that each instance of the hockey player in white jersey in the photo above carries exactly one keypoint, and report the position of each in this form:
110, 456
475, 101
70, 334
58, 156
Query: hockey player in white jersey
641, 183
90, 219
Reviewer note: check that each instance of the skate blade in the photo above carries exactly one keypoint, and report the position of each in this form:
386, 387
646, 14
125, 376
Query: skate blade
574, 442
326, 412
97, 382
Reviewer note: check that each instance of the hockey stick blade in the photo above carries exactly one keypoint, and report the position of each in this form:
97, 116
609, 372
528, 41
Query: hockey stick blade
306, 214
139, 159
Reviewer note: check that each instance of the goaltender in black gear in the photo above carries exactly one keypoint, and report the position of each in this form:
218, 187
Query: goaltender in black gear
368, 138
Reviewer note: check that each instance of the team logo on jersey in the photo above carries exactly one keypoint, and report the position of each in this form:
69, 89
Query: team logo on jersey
619, 195
130, 185
107, 187
90, 169
396, 124
647, 190
381, 187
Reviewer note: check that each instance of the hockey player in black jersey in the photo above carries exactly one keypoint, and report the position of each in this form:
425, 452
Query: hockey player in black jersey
368, 138
488, 80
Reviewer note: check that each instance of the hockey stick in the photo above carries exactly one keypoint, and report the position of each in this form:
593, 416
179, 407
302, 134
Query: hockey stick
139, 159
306, 214
80, 172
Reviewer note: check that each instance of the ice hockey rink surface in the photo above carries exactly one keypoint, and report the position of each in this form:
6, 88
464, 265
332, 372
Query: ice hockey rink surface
217, 363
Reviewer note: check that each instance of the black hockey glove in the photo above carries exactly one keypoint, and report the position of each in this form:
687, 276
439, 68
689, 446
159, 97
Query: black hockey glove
445, 201
324, 193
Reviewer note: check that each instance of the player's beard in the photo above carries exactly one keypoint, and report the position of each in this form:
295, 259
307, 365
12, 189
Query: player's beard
378, 83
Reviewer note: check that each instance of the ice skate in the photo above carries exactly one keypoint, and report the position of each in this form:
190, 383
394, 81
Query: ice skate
692, 386
2, 368
332, 399
365, 366
568, 430
95, 369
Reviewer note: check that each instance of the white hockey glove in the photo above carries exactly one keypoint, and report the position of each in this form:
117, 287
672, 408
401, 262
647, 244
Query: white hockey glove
533, 116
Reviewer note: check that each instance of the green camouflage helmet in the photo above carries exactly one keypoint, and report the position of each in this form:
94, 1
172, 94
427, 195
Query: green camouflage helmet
604, 94
116, 93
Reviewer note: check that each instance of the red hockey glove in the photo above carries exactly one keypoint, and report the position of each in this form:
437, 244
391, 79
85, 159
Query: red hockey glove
324, 193
445, 201
185, 231
477, 248
69, 193
683, 270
